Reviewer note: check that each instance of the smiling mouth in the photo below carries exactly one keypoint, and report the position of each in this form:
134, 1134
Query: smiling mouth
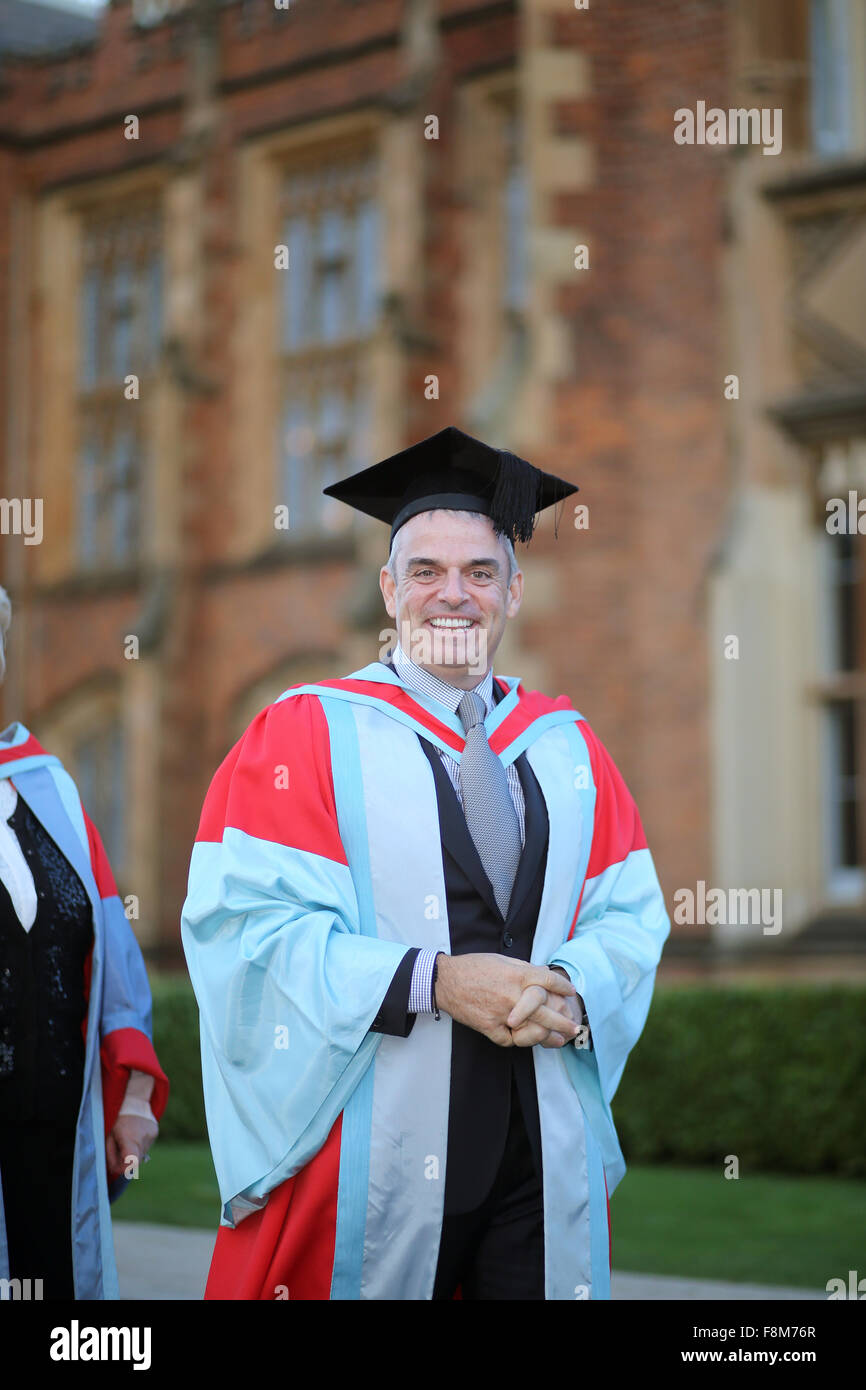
442, 624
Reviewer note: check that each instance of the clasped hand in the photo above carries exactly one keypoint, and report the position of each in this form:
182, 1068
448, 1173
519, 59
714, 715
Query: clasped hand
530, 1020
513, 1003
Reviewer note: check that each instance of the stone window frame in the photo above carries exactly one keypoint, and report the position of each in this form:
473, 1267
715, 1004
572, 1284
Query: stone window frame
327, 370
839, 692
819, 207
54, 424
254, 385
100, 396
493, 339
848, 73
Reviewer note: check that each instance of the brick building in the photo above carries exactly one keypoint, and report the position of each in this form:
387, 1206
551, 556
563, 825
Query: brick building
489, 222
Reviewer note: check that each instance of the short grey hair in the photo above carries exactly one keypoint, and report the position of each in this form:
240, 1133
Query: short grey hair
513, 566
5, 620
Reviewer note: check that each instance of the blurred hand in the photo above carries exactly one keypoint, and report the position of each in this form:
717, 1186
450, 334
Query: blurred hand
130, 1137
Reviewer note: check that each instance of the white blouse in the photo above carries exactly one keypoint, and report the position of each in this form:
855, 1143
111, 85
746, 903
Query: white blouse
14, 869
16, 875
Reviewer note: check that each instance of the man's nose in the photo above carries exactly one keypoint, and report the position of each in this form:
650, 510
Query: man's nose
452, 590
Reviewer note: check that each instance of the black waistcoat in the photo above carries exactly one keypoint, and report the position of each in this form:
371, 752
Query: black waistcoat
481, 1071
42, 1000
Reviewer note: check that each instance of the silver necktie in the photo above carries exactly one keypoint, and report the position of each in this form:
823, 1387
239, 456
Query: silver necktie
490, 813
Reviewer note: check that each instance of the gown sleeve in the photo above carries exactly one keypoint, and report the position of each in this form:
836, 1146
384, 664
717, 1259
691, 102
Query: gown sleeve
126, 1036
621, 925
288, 986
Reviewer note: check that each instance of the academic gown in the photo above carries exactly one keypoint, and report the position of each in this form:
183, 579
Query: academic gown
323, 854
117, 1028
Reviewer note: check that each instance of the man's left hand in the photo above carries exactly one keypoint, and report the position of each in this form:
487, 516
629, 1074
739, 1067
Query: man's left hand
527, 1032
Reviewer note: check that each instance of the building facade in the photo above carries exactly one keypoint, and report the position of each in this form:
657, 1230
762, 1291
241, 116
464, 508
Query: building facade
248, 248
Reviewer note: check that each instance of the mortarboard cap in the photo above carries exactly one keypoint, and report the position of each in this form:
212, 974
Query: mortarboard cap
454, 470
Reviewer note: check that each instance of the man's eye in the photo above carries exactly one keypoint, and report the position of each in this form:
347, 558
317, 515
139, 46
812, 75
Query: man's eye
419, 573
485, 574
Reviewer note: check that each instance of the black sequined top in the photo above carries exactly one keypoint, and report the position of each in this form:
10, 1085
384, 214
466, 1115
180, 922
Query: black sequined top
42, 1001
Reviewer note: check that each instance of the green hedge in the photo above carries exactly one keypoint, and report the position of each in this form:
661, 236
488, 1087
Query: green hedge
176, 1039
774, 1075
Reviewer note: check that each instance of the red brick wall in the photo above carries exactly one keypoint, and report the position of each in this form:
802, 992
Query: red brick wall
639, 426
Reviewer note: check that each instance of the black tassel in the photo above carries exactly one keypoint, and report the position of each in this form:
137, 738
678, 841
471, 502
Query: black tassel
516, 497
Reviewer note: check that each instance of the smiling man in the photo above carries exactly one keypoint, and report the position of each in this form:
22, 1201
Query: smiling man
453, 589
422, 926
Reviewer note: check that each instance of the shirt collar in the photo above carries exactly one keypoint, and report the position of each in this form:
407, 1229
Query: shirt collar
427, 684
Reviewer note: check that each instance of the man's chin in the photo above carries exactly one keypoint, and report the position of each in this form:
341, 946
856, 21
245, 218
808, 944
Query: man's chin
460, 652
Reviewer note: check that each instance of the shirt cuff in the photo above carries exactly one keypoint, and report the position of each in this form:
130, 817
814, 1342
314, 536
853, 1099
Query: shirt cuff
421, 988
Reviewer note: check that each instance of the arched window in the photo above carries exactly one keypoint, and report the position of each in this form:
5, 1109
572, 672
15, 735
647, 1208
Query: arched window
329, 312
119, 334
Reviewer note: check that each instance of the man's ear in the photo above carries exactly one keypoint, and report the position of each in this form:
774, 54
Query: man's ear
389, 590
515, 595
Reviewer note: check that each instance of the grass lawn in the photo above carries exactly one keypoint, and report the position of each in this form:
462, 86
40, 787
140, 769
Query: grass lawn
688, 1221
178, 1187
758, 1228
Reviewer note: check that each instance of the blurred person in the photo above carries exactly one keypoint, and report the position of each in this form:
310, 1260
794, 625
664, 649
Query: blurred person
81, 1089
422, 926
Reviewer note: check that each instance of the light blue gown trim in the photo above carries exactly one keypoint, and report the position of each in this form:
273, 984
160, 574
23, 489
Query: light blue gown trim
352, 697
538, 727
358, 1114
95, 1267
15, 769
568, 1205
411, 1084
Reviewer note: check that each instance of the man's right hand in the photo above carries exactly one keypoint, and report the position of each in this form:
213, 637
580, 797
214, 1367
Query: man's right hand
481, 990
